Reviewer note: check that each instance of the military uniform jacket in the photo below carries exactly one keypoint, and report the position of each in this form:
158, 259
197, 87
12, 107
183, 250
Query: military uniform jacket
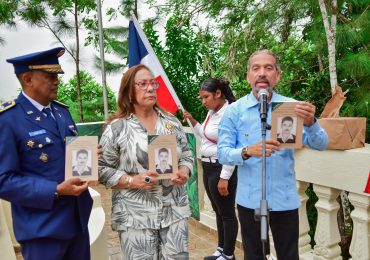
32, 152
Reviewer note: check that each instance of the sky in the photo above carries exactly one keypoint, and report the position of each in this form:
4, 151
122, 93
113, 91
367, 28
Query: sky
24, 40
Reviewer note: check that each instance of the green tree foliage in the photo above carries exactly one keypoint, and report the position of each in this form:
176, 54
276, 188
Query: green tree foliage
92, 98
188, 59
295, 31
7, 15
115, 37
62, 19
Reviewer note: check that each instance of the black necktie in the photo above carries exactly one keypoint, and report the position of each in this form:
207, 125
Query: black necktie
49, 116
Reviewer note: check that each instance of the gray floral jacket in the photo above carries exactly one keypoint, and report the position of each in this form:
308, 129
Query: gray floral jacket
125, 144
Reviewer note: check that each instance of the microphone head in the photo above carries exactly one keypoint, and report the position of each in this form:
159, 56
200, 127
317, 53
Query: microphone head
262, 92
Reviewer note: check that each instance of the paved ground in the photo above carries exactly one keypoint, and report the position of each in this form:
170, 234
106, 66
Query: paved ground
202, 240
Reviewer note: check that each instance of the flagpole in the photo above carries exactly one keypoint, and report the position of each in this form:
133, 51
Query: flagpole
101, 46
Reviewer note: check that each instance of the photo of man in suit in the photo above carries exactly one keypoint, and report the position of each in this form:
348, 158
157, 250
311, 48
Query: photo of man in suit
82, 167
163, 165
286, 132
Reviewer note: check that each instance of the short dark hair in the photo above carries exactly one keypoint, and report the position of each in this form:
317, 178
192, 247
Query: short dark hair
82, 151
287, 118
163, 150
264, 51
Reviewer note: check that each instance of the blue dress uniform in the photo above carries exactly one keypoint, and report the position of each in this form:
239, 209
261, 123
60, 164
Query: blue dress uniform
32, 152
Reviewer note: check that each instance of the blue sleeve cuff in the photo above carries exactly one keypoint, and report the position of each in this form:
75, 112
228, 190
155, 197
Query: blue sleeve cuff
314, 128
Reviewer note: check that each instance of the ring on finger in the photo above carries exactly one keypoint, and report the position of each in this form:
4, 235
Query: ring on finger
147, 179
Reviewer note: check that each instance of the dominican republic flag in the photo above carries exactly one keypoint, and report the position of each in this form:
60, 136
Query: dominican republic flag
141, 52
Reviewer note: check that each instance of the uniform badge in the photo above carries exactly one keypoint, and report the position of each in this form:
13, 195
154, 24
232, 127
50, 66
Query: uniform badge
47, 139
44, 157
29, 112
169, 127
38, 132
30, 143
38, 118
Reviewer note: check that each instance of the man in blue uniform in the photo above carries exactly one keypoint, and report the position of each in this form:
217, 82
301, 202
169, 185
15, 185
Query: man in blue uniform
50, 214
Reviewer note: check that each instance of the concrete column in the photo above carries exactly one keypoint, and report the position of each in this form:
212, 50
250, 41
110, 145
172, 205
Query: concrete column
327, 233
304, 227
6, 245
360, 244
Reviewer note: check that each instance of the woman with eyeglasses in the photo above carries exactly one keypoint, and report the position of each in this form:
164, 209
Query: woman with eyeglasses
150, 215
219, 180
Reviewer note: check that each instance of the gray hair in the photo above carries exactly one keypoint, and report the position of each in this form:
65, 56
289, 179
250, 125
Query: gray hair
264, 51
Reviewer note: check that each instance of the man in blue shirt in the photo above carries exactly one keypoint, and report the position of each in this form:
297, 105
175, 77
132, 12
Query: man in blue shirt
240, 144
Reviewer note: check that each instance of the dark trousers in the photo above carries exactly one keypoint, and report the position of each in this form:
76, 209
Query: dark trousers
77, 248
284, 228
224, 206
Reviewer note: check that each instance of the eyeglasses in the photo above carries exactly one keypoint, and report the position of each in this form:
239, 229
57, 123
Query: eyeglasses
144, 85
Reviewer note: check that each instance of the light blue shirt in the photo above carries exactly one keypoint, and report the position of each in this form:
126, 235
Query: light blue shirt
240, 127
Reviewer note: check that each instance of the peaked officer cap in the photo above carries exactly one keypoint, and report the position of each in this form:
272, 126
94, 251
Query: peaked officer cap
44, 60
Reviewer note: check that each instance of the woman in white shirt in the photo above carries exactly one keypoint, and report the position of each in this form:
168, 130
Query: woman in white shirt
219, 180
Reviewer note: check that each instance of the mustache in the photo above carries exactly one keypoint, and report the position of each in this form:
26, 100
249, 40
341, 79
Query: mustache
264, 80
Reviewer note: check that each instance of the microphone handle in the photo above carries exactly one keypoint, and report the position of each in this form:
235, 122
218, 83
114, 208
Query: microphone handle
263, 107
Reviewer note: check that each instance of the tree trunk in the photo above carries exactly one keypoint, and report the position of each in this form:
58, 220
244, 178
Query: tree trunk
330, 31
288, 19
321, 63
77, 60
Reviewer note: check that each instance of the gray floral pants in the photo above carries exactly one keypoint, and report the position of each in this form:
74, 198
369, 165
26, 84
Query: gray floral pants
160, 244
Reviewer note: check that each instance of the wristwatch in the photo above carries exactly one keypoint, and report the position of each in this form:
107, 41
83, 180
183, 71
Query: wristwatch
245, 155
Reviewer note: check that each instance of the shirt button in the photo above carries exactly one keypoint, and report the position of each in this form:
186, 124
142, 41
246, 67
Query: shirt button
40, 146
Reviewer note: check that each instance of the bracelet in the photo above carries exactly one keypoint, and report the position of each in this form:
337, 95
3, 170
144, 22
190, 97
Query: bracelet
128, 181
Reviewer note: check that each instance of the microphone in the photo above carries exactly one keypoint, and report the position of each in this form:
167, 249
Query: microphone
262, 98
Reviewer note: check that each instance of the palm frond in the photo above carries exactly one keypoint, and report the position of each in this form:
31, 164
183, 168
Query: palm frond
116, 31
356, 65
63, 27
110, 66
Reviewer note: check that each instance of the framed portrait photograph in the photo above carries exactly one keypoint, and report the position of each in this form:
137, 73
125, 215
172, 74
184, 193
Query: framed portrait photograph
286, 126
81, 157
162, 155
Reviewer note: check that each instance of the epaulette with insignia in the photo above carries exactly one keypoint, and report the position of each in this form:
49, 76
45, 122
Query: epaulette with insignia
60, 103
7, 105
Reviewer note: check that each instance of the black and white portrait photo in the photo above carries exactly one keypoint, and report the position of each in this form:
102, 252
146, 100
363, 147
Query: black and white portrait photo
163, 160
287, 129
81, 161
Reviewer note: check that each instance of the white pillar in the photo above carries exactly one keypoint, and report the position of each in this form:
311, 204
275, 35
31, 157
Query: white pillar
6, 245
304, 227
360, 244
327, 233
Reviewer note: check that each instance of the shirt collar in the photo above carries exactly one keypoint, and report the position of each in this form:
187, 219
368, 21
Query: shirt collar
160, 113
221, 110
35, 103
251, 100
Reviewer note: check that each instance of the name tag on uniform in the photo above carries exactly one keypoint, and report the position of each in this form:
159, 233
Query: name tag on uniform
39, 132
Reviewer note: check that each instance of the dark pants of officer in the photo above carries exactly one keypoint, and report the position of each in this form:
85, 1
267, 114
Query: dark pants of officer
224, 206
77, 248
284, 228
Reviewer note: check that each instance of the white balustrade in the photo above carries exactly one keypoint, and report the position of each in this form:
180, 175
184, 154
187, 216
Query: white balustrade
330, 172
98, 238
